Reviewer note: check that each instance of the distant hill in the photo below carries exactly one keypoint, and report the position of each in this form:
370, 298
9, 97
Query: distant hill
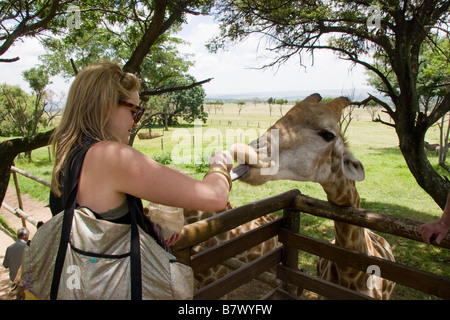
352, 94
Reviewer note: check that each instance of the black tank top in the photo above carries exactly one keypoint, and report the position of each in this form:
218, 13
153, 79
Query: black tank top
69, 180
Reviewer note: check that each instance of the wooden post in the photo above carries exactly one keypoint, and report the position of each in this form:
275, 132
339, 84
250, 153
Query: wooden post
290, 254
19, 197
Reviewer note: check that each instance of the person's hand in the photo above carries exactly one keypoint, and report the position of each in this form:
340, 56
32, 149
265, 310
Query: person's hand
433, 228
173, 239
222, 159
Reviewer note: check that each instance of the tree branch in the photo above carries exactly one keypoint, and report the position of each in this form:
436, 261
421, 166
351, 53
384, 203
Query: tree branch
354, 58
23, 29
387, 108
9, 60
383, 122
148, 38
74, 67
439, 111
172, 89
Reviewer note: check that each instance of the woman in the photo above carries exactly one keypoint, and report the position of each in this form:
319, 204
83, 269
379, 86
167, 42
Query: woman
101, 111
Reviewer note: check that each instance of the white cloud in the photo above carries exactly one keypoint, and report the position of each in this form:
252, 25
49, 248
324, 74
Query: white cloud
28, 50
232, 70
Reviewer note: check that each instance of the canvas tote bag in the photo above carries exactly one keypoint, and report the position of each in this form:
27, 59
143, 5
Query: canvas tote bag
77, 256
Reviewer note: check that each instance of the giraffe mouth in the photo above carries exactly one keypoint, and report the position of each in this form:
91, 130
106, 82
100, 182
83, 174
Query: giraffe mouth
239, 171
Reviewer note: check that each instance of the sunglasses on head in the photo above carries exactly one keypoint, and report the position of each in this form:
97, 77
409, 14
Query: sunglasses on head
135, 110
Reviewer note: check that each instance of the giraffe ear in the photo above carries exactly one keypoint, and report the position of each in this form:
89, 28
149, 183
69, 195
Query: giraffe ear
338, 104
313, 98
352, 167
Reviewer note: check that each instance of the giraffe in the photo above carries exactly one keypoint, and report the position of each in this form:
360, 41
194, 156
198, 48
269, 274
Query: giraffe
218, 271
310, 147
171, 226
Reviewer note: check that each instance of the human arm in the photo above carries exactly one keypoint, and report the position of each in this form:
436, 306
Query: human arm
439, 228
112, 169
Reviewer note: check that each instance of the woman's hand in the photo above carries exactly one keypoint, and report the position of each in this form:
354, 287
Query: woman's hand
173, 239
222, 159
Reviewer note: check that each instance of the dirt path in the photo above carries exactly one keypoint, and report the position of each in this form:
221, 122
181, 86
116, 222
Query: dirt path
37, 210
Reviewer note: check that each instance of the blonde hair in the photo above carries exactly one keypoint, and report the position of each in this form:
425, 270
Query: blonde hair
92, 99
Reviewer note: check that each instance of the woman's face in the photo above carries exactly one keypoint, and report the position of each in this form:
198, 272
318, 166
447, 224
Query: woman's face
121, 122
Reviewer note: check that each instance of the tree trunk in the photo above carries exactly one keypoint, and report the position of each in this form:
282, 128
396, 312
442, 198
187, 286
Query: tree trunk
413, 149
411, 125
11, 148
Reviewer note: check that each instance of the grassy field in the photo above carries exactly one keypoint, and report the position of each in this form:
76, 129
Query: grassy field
388, 188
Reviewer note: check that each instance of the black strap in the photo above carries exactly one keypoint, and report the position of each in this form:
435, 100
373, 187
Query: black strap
61, 255
135, 252
71, 187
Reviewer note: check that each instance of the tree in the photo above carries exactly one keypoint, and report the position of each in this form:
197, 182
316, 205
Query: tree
240, 105
187, 104
355, 31
111, 38
281, 103
270, 102
150, 19
17, 111
24, 113
38, 80
218, 105
20, 18
433, 83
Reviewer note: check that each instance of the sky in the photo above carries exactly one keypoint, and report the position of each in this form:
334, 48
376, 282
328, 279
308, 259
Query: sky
233, 70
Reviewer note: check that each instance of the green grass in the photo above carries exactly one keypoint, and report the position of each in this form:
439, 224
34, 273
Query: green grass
388, 188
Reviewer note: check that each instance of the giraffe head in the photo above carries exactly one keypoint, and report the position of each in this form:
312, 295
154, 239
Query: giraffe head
304, 145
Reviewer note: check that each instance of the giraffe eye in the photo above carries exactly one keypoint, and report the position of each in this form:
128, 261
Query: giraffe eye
328, 136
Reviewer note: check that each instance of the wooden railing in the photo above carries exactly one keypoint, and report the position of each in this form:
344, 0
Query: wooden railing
19, 211
286, 256
286, 228
401, 227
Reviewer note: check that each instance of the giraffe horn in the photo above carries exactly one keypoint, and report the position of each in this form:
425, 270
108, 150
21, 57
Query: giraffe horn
338, 104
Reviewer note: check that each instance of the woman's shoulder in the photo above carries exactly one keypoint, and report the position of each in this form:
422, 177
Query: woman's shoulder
111, 152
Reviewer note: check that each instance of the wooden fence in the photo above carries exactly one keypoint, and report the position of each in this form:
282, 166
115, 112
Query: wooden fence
19, 211
293, 204
285, 257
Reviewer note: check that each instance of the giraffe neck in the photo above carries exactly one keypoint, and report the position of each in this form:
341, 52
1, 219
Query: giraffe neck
342, 192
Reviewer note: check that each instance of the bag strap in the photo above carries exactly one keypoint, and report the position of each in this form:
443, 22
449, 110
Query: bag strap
135, 253
70, 205
76, 161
